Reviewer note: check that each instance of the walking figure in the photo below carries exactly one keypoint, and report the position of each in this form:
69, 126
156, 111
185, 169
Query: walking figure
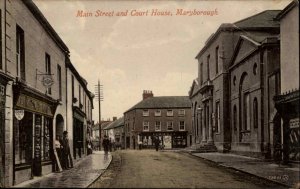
105, 144
156, 142
67, 158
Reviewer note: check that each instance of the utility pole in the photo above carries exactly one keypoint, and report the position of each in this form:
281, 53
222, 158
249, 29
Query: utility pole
99, 97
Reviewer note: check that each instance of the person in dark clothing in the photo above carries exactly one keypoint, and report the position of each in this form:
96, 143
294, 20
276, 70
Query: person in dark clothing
156, 143
67, 158
105, 144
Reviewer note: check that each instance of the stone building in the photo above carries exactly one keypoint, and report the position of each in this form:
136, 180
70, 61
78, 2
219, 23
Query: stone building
286, 119
165, 117
33, 92
115, 132
210, 91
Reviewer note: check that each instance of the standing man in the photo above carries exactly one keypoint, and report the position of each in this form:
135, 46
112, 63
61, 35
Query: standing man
105, 144
66, 151
156, 142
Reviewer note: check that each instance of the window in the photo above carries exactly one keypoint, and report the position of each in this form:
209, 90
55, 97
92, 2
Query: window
145, 112
218, 117
255, 69
181, 112
20, 54
234, 118
46, 141
157, 125
59, 81
169, 125
146, 126
208, 59
255, 113
201, 73
217, 59
234, 81
48, 69
246, 112
169, 112
181, 125
128, 128
157, 113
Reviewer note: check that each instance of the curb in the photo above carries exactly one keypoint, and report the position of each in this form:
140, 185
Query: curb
100, 173
242, 171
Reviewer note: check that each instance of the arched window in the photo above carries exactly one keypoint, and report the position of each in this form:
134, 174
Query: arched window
255, 113
246, 110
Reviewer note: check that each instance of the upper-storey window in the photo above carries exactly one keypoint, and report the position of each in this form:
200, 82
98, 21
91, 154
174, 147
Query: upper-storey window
217, 59
145, 112
157, 113
20, 53
181, 112
48, 69
169, 112
208, 59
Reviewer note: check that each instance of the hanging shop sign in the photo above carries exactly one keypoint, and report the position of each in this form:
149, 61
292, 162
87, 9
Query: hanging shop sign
19, 114
47, 81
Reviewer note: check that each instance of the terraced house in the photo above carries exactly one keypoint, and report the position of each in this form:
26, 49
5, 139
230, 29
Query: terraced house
33, 94
165, 117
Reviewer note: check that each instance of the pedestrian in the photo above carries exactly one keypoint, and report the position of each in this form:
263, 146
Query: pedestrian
89, 147
105, 144
58, 149
67, 158
140, 144
110, 145
156, 142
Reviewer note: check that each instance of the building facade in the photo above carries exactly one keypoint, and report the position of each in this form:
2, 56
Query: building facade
287, 102
115, 132
168, 118
33, 92
254, 81
210, 92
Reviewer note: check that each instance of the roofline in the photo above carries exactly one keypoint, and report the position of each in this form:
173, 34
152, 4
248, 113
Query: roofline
287, 9
79, 78
46, 25
176, 107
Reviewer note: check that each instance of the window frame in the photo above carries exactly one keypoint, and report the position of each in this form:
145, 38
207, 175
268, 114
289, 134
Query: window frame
146, 113
181, 125
181, 114
156, 125
157, 114
170, 123
170, 114
146, 125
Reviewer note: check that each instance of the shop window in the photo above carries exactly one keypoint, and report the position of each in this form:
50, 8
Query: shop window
157, 125
46, 141
23, 139
146, 126
169, 125
181, 125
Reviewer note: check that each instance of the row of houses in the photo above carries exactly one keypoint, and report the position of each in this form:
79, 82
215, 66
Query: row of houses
41, 95
245, 99
243, 70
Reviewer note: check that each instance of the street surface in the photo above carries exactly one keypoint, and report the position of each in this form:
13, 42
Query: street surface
151, 169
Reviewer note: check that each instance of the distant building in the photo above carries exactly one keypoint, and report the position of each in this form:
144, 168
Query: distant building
115, 132
286, 121
165, 117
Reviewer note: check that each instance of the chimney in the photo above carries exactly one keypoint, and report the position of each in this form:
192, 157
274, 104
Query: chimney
114, 118
147, 94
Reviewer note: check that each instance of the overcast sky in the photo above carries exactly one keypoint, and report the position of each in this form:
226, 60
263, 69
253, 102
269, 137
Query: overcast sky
130, 53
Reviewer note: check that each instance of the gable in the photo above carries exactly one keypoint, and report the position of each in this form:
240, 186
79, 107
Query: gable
194, 89
243, 49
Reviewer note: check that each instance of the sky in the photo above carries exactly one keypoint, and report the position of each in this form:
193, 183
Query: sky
129, 49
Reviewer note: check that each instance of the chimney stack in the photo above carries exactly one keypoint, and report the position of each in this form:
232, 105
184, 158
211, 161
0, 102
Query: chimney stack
147, 94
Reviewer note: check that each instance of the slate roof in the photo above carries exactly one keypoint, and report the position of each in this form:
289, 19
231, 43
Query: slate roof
118, 123
265, 19
163, 102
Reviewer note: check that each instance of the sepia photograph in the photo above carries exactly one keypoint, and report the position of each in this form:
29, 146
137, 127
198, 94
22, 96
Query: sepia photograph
149, 94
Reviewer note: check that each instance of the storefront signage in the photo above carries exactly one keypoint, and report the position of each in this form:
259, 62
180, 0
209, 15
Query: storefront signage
33, 104
37, 146
19, 114
47, 81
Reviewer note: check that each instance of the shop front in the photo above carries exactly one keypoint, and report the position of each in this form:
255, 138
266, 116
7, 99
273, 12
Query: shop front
175, 139
32, 134
78, 132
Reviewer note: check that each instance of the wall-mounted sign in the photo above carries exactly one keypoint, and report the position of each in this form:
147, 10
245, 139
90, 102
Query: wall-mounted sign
19, 114
47, 81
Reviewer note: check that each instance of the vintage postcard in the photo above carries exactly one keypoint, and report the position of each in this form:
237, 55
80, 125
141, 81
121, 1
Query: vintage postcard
149, 94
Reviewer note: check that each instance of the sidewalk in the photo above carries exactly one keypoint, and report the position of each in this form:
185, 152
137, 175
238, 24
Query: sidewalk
84, 173
284, 175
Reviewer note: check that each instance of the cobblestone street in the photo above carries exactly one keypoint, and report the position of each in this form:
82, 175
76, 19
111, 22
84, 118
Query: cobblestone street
151, 169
